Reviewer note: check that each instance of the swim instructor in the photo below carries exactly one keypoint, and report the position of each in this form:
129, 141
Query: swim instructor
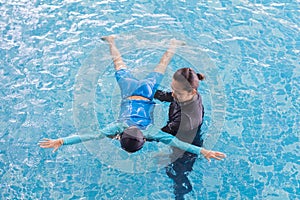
186, 113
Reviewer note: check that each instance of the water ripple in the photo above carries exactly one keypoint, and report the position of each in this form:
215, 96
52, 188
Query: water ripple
254, 45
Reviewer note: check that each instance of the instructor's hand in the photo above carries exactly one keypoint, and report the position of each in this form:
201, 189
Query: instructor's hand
48, 143
208, 154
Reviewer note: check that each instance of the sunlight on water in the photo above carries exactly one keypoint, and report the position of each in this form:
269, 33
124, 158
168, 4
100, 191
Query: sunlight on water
56, 80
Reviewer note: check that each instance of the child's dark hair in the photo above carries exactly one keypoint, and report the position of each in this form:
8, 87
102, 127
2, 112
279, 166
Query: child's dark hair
185, 75
132, 139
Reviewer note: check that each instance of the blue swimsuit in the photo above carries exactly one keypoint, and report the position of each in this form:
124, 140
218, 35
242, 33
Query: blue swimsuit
137, 112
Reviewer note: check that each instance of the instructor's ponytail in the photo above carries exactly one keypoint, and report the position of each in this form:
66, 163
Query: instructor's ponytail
201, 77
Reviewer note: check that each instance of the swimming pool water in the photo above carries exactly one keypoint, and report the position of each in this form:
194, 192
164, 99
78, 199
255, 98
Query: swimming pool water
53, 84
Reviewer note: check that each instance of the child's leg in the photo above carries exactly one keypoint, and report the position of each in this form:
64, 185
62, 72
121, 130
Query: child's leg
116, 56
166, 58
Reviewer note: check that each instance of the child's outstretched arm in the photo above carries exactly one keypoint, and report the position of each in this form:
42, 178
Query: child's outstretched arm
109, 130
48, 143
171, 140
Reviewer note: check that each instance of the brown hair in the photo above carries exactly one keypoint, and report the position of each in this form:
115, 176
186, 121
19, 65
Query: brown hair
188, 75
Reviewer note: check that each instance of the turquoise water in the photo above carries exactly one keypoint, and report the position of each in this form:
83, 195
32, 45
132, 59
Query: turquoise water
57, 79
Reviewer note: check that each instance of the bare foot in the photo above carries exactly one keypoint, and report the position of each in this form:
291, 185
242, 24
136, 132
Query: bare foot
176, 43
109, 39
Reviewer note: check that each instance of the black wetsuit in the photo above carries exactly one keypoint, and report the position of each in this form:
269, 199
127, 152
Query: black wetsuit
185, 120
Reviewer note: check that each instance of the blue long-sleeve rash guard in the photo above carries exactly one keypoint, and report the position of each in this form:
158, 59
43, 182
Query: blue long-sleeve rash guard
115, 128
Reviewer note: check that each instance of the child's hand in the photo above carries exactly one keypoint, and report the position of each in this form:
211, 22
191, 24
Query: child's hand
212, 154
48, 143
